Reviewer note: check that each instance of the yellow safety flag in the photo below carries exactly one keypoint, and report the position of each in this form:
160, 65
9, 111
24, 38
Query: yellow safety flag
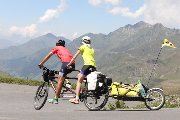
168, 43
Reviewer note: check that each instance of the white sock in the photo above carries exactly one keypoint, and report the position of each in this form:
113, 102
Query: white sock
77, 97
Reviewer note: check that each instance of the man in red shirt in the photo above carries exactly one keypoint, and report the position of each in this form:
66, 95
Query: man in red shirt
65, 56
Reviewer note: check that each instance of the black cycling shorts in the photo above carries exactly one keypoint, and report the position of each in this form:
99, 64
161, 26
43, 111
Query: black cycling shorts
86, 69
64, 71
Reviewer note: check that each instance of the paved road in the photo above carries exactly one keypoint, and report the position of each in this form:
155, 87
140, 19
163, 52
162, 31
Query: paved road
16, 103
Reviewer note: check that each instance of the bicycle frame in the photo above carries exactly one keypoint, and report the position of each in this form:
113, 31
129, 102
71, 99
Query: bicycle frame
51, 79
93, 99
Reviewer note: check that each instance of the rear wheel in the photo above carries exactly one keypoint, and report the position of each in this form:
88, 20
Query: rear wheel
155, 99
95, 102
41, 96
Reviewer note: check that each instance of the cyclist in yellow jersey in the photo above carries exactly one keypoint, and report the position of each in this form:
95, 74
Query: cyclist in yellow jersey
87, 53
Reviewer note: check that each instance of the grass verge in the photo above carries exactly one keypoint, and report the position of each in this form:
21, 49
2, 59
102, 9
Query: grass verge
12, 80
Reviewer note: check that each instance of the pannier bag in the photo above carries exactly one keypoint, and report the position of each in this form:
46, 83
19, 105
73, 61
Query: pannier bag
108, 81
92, 80
97, 80
126, 89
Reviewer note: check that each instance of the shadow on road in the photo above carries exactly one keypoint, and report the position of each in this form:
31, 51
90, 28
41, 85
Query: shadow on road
120, 110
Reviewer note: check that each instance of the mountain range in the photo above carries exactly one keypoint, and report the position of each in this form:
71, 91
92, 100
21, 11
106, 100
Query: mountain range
5, 43
126, 54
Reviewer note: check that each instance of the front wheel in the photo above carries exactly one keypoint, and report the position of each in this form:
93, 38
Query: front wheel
155, 99
95, 102
41, 96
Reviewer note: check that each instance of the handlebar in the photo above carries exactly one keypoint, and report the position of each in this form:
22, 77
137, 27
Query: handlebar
48, 70
51, 73
54, 71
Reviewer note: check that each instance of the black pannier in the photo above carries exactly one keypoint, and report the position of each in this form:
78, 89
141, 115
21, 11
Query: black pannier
102, 83
108, 81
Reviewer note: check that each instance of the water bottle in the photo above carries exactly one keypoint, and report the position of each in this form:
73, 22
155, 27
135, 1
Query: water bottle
141, 89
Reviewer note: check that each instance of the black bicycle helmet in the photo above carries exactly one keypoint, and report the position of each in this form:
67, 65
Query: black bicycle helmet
60, 43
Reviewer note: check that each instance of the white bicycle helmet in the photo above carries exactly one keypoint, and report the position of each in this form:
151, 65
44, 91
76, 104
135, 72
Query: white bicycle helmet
86, 40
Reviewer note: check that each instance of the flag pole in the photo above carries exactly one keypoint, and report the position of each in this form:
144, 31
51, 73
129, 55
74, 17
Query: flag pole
154, 66
165, 43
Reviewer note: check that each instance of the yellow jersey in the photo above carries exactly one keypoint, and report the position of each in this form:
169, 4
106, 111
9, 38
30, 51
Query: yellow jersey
87, 53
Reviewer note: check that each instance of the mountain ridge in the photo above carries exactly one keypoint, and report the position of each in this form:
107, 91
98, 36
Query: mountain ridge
30, 47
125, 54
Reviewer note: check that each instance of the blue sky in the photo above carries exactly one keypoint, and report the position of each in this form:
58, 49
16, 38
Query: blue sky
72, 18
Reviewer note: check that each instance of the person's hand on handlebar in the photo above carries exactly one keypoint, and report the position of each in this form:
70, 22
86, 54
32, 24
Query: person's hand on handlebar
69, 66
40, 66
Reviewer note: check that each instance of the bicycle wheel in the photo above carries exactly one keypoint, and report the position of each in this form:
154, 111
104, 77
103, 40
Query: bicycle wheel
41, 96
155, 99
95, 102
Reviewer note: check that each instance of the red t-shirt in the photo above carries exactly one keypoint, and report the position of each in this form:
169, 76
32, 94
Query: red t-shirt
63, 53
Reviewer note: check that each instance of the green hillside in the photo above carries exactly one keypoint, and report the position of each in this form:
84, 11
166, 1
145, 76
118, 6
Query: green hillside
126, 54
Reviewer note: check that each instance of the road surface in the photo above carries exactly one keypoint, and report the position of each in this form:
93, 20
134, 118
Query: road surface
16, 103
